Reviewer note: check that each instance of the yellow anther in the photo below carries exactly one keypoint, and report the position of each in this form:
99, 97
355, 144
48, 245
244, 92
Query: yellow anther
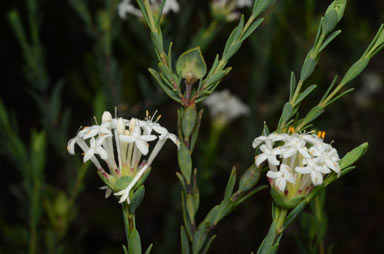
319, 134
126, 132
147, 114
323, 135
291, 130
158, 118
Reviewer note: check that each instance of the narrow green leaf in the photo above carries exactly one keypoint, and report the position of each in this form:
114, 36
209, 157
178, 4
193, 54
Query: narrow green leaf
329, 40
185, 162
134, 245
225, 208
286, 114
294, 213
195, 133
208, 245
355, 70
230, 184
267, 243
137, 199
330, 21
184, 241
250, 178
329, 88
252, 28
188, 122
149, 249
259, 6
308, 68
353, 156
165, 88
314, 113
305, 94
292, 85
340, 95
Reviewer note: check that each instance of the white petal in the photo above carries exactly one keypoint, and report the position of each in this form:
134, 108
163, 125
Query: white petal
281, 184
303, 170
127, 139
260, 159
258, 141
317, 178
272, 159
71, 145
148, 137
303, 151
88, 155
273, 174
100, 151
142, 146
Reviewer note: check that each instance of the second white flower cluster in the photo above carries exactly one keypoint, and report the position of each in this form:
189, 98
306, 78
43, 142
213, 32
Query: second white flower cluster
129, 138
296, 162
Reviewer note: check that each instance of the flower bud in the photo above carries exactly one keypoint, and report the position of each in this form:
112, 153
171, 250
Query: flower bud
107, 117
120, 126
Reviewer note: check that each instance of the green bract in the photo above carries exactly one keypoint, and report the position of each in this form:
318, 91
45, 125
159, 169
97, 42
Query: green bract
191, 64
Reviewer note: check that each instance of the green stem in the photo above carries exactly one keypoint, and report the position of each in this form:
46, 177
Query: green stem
129, 221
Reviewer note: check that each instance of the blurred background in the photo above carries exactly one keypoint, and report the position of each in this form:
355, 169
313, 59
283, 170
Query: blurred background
64, 62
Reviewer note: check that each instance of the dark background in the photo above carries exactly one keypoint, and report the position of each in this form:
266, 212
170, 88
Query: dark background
260, 77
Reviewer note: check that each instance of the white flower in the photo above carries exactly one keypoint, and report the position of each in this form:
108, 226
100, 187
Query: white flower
273, 137
244, 3
126, 7
112, 140
95, 148
224, 106
139, 140
282, 177
315, 168
227, 8
304, 158
293, 144
268, 153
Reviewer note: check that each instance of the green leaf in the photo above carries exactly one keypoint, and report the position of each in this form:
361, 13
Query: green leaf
330, 21
314, 113
137, 199
250, 178
200, 237
184, 241
188, 122
231, 184
355, 70
195, 132
173, 95
283, 201
224, 209
191, 62
305, 94
38, 154
205, 250
259, 6
266, 245
125, 249
149, 249
251, 29
190, 205
292, 85
353, 156
134, 245
308, 67
294, 213
329, 40
286, 114
122, 182
185, 162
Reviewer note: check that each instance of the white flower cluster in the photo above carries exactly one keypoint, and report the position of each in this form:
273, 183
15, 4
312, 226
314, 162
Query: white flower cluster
126, 7
225, 107
296, 161
130, 139
227, 7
